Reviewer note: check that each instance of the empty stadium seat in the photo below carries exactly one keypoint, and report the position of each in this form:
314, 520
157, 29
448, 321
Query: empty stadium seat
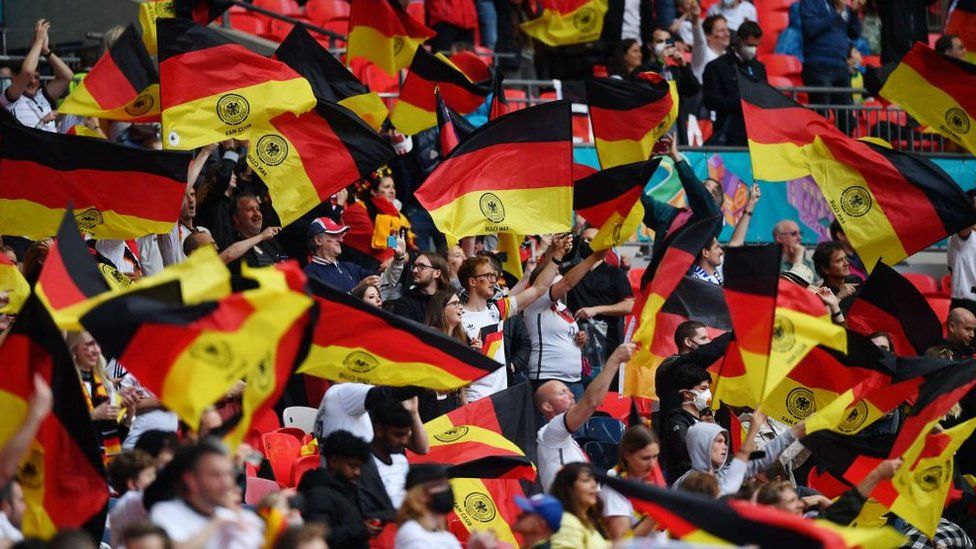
517, 99
605, 429
778, 64
284, 7
291, 431
773, 23
321, 12
246, 22
946, 285
302, 417
281, 449
264, 421
780, 82
602, 454
256, 488
940, 305
923, 282
301, 466
280, 29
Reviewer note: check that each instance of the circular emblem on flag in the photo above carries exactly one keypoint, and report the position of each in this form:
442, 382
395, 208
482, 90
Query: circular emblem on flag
585, 19
217, 353
616, 233
958, 120
492, 207
855, 418
173, 138
89, 218
800, 402
233, 109
31, 471
398, 43
855, 201
452, 435
272, 149
931, 478
140, 105
264, 379
480, 507
118, 280
784, 334
360, 362
166, 9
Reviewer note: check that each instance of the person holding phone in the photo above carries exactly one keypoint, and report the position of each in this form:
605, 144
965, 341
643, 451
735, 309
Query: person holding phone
664, 58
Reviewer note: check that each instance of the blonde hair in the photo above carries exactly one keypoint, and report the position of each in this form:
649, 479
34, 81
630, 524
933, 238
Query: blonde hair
414, 507
73, 339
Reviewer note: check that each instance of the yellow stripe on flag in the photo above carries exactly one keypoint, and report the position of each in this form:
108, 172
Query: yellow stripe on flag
287, 179
639, 372
26, 218
388, 53
148, 13
584, 24
410, 119
81, 103
14, 410
369, 107
16, 286
478, 511
626, 151
777, 162
330, 363
515, 211
472, 433
794, 335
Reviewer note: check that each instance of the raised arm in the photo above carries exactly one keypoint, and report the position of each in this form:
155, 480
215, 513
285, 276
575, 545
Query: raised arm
27, 69
742, 225
561, 244
16, 448
573, 277
596, 391
62, 73
241, 247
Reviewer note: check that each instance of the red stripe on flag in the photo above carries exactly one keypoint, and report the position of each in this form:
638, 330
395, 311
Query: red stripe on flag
111, 89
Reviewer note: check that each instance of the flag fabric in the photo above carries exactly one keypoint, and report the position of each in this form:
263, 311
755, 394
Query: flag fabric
14, 283
695, 518
502, 425
416, 107
116, 191
848, 459
961, 21
52, 490
610, 201
85, 131
201, 11
452, 128
751, 276
123, 84
304, 159
374, 346
499, 103
802, 322
567, 22
382, 32
205, 95
934, 88
629, 117
510, 254
888, 302
149, 12
330, 80
941, 390
486, 185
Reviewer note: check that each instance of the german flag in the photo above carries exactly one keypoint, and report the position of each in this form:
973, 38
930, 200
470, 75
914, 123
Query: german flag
304, 159
201, 11
751, 280
267, 382
117, 192
499, 426
452, 128
487, 184
961, 21
382, 32
660, 281
567, 22
205, 95
510, 254
373, 346
936, 90
890, 204
940, 392
888, 302
12, 282
695, 518
52, 490
330, 80
802, 322
416, 108
610, 200
191, 354
779, 129
123, 84
149, 12
629, 117
499, 103
85, 131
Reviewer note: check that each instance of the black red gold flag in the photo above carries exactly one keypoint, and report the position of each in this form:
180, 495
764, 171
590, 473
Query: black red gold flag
888, 302
330, 80
149, 12
629, 117
207, 97
52, 490
374, 346
499, 103
610, 201
961, 21
566, 22
487, 184
123, 84
452, 128
116, 191
304, 159
382, 32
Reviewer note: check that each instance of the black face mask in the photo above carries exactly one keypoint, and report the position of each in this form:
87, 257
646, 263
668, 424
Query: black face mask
584, 249
442, 503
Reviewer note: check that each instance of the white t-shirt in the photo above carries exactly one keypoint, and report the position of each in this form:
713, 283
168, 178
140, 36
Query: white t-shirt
394, 477
615, 504
30, 110
411, 535
735, 16
344, 407
552, 331
182, 523
8, 531
556, 448
701, 54
632, 20
127, 510
488, 326
961, 258
153, 420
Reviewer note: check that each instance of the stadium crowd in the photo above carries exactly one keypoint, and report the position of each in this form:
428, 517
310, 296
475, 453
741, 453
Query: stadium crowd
563, 328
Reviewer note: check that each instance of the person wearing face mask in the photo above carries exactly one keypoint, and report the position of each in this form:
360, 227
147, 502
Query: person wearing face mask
421, 519
691, 385
735, 12
720, 85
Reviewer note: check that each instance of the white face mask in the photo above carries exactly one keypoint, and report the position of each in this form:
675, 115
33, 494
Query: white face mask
659, 48
748, 53
702, 398
728, 3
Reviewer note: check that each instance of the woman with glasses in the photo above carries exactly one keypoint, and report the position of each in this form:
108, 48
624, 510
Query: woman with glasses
444, 315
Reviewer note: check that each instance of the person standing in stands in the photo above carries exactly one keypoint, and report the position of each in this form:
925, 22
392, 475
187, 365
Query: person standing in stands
29, 101
711, 38
829, 27
720, 85
249, 224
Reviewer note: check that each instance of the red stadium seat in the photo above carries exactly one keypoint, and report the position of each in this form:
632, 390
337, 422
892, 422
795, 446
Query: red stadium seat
282, 449
299, 434
516, 99
301, 466
782, 65
321, 12
284, 7
246, 22
940, 305
780, 82
923, 282
773, 23
264, 421
487, 55
256, 488
874, 60
280, 29
946, 285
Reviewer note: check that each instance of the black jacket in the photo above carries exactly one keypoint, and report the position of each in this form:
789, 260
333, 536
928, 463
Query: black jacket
412, 305
677, 461
720, 89
684, 79
335, 503
374, 500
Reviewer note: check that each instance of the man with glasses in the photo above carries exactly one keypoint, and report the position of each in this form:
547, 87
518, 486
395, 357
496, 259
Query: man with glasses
787, 234
429, 273
483, 316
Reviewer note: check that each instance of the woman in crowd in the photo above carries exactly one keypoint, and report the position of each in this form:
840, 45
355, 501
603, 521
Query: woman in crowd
444, 315
626, 58
368, 293
576, 489
99, 390
372, 220
638, 460
422, 518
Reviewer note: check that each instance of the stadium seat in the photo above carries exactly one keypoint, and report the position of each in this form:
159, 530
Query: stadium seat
256, 488
246, 22
302, 417
321, 12
517, 99
780, 82
338, 26
264, 421
602, 454
634, 276
874, 60
773, 23
282, 449
605, 429
940, 305
487, 55
284, 7
923, 282
280, 29
291, 431
778, 64
301, 466
946, 285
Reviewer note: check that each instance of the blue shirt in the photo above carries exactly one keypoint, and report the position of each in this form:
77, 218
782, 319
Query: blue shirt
341, 274
827, 35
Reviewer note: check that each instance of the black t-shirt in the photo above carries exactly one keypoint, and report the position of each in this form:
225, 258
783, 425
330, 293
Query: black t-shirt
412, 305
604, 285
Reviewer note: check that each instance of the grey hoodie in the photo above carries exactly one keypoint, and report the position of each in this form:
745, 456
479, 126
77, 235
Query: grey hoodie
730, 476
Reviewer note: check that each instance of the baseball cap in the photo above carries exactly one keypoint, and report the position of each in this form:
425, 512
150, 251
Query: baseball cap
423, 473
324, 225
545, 506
